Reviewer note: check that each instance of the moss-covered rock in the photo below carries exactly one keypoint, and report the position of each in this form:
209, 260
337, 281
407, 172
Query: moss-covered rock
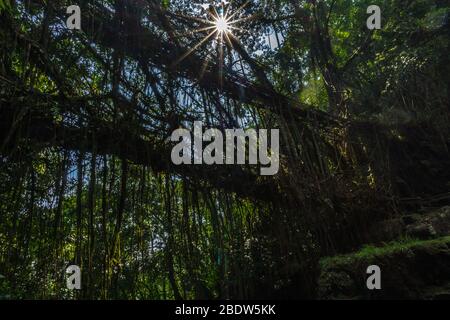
410, 269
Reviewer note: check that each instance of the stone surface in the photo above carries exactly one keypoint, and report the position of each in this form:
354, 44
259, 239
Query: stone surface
431, 224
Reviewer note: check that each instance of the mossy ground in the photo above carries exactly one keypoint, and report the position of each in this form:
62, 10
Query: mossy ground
370, 252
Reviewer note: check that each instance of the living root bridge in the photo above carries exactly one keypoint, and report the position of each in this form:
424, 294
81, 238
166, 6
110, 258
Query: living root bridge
19, 124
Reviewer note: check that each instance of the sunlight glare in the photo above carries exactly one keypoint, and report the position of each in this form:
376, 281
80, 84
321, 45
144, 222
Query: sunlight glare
222, 25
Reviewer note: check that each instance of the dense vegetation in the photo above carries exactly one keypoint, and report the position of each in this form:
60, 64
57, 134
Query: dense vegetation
85, 170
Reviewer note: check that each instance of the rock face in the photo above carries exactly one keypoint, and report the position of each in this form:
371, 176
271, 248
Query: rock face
414, 269
435, 223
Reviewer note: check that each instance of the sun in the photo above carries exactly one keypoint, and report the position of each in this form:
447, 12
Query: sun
219, 23
222, 25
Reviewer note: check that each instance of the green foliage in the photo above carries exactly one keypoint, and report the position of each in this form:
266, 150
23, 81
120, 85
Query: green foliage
85, 171
5, 5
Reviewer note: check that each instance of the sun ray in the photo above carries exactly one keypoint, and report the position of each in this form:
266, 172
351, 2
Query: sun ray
196, 19
226, 9
221, 60
236, 28
184, 56
239, 9
227, 37
189, 33
213, 14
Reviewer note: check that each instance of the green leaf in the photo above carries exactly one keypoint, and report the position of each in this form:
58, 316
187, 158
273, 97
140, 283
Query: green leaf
165, 3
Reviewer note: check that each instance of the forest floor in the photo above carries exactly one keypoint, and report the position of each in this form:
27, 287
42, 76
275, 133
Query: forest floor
414, 266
